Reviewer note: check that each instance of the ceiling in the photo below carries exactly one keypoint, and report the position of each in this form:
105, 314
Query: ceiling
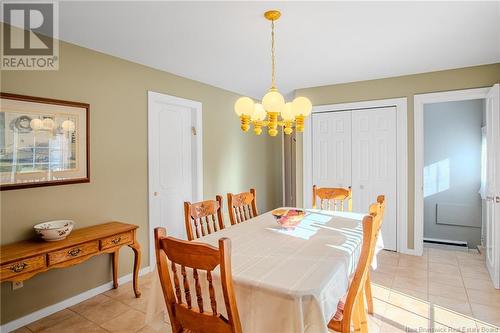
227, 44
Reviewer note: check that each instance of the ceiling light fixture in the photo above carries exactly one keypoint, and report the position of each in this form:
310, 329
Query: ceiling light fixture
273, 104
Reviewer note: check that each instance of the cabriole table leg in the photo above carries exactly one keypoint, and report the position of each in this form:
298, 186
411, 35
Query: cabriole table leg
137, 264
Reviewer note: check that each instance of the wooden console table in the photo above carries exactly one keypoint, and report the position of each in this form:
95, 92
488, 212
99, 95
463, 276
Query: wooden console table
20, 261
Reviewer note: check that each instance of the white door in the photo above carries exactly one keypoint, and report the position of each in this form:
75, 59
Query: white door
493, 184
374, 165
332, 149
172, 162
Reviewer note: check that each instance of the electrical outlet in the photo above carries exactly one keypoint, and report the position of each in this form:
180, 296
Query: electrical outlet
17, 285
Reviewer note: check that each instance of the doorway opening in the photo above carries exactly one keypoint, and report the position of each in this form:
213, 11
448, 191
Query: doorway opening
454, 173
488, 193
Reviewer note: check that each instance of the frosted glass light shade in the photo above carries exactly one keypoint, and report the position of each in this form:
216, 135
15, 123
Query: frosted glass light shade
301, 106
273, 101
244, 106
259, 113
68, 126
48, 123
36, 124
287, 112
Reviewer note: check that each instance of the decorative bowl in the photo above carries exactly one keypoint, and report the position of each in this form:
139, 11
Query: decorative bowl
288, 218
54, 230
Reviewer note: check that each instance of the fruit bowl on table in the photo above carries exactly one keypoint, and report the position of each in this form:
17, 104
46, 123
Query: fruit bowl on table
54, 230
288, 218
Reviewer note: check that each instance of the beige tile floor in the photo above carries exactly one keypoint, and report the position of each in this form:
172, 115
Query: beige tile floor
442, 291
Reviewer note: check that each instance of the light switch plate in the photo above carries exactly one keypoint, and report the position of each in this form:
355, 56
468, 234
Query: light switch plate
17, 285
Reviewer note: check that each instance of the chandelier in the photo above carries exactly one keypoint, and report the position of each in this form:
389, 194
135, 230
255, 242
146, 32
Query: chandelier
273, 104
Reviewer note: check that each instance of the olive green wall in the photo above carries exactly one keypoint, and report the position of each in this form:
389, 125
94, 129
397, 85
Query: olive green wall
117, 92
402, 86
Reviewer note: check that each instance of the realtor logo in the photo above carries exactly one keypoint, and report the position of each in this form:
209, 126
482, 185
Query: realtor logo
30, 36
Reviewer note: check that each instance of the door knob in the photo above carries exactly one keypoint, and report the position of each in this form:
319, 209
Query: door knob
155, 194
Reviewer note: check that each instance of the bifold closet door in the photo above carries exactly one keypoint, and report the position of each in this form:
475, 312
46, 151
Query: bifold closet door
374, 165
332, 149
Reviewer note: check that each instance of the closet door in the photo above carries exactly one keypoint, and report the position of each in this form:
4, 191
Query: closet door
374, 165
331, 149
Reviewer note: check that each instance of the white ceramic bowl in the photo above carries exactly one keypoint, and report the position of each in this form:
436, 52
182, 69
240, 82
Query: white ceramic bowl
54, 230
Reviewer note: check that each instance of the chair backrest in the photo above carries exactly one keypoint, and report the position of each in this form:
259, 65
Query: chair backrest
184, 315
203, 218
379, 210
369, 223
335, 195
242, 206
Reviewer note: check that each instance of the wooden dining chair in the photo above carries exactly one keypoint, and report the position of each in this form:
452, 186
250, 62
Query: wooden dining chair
242, 206
335, 195
204, 217
184, 315
352, 305
377, 209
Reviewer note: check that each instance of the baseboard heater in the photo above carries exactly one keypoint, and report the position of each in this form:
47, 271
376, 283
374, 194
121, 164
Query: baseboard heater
461, 244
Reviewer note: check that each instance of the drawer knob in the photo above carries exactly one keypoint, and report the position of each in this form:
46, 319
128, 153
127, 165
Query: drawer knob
18, 267
74, 252
116, 240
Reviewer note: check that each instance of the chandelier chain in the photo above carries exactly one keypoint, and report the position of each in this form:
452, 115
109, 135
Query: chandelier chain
273, 58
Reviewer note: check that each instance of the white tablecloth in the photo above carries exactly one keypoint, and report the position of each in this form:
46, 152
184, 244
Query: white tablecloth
286, 280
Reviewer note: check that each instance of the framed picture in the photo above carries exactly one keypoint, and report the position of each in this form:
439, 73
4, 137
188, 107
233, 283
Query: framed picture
43, 142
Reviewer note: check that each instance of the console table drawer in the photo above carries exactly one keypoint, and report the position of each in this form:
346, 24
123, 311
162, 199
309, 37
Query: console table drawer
22, 266
115, 240
73, 252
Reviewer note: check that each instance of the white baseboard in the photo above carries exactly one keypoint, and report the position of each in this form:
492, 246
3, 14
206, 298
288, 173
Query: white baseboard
447, 241
47, 311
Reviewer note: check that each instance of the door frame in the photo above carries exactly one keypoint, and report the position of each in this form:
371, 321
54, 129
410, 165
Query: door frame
418, 119
197, 157
283, 178
494, 268
402, 162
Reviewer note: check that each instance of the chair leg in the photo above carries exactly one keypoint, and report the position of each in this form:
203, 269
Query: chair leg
368, 293
362, 313
356, 320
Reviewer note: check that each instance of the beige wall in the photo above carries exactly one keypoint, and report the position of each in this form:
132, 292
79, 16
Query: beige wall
117, 92
402, 86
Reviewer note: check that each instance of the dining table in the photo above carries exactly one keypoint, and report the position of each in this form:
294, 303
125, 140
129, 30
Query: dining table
285, 279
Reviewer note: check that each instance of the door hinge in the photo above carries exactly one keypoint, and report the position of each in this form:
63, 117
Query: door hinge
193, 130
